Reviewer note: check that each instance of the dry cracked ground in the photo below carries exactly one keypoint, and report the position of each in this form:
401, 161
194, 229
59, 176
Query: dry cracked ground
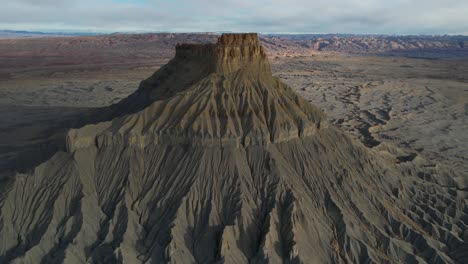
417, 104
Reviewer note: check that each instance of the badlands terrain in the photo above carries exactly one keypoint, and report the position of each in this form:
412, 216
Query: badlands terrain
417, 103
214, 158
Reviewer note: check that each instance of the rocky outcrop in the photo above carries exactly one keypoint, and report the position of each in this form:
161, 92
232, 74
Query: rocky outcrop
209, 94
231, 53
213, 160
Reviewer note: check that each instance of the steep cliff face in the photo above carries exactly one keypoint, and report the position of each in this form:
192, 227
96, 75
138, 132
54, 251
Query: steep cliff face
213, 160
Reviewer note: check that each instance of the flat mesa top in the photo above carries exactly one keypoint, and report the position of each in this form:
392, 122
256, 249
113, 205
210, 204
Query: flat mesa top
238, 39
230, 48
229, 39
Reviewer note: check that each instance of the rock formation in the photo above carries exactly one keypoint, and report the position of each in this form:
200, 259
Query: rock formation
214, 160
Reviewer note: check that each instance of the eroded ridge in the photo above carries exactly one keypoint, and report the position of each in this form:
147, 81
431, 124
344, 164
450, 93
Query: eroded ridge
220, 93
320, 199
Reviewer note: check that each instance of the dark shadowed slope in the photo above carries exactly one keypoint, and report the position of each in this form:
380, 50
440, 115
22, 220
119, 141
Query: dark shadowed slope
213, 160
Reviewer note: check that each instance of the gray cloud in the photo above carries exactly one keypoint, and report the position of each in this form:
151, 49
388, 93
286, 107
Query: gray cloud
333, 16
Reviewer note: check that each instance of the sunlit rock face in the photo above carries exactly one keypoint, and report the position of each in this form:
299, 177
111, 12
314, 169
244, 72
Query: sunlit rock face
214, 160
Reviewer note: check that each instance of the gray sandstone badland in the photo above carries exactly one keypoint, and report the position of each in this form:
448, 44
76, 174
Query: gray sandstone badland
214, 160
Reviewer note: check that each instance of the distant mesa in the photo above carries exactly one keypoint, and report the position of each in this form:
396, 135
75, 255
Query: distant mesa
214, 160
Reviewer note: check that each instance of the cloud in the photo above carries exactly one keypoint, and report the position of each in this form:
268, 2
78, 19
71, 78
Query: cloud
301, 16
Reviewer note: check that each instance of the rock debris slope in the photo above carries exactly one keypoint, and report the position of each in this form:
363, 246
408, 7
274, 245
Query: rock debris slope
213, 160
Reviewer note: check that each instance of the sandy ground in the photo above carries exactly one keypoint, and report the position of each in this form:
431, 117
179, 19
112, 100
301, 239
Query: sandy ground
420, 105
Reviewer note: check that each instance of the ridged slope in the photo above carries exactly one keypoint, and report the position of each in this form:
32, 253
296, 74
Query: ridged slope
221, 163
220, 93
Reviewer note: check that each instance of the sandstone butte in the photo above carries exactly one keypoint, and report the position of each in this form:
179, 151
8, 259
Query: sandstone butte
214, 160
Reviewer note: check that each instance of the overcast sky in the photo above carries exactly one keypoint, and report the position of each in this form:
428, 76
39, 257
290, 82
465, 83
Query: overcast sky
264, 16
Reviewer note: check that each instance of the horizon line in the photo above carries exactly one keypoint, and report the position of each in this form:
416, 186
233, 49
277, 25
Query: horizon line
93, 32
